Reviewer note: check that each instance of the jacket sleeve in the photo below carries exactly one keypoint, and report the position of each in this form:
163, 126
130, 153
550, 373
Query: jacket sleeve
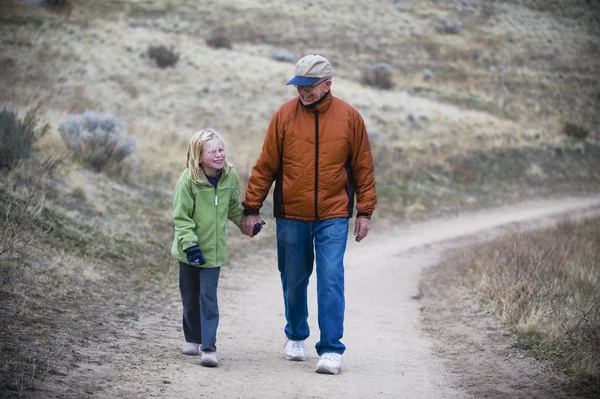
363, 170
183, 208
235, 207
266, 167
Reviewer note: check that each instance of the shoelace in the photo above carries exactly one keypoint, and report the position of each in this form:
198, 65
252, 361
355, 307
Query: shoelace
330, 356
297, 345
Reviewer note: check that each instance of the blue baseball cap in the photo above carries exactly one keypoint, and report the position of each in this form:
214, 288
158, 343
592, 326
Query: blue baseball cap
310, 69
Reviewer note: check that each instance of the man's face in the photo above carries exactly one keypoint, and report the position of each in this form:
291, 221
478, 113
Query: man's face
312, 93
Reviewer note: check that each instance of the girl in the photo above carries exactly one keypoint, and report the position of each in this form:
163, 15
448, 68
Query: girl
206, 195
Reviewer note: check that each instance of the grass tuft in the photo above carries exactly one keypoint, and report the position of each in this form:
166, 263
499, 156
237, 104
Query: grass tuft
19, 136
545, 285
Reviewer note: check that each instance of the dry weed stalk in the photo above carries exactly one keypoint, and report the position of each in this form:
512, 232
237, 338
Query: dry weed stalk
18, 219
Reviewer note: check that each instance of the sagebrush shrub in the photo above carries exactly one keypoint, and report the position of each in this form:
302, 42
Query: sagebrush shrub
163, 56
379, 75
219, 40
575, 131
59, 6
18, 136
449, 26
96, 140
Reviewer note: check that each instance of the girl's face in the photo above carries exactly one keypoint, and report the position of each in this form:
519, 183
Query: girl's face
212, 158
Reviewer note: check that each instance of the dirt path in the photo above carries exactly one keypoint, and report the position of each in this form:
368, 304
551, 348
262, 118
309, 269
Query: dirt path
389, 355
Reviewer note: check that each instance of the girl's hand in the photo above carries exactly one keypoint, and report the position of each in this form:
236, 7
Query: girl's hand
195, 257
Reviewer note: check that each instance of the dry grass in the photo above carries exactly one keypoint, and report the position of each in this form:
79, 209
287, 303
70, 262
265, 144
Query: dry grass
546, 286
62, 266
17, 237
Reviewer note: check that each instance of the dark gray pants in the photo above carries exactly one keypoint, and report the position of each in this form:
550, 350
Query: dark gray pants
198, 286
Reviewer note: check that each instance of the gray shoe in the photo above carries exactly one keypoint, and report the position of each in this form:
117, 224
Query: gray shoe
209, 359
190, 349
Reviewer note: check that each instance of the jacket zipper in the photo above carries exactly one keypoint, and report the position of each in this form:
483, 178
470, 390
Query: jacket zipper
316, 164
217, 225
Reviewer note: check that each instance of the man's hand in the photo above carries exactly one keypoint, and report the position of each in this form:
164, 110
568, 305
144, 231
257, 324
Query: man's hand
361, 228
248, 222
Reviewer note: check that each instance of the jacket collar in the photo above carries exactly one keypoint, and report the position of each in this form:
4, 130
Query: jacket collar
321, 105
218, 176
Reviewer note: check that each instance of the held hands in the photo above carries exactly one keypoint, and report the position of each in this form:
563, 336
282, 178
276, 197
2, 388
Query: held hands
361, 228
257, 228
251, 225
195, 256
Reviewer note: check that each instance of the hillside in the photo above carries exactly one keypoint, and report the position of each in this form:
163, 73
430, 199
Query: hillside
507, 80
475, 116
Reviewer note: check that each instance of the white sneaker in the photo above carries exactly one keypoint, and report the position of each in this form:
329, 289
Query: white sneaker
190, 349
294, 350
330, 363
209, 359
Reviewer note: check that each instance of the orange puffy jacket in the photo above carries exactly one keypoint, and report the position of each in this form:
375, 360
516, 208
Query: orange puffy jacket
319, 156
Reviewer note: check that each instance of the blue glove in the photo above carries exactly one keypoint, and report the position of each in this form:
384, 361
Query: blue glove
257, 228
195, 256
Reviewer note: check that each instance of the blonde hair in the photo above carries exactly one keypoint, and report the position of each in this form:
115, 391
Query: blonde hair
194, 153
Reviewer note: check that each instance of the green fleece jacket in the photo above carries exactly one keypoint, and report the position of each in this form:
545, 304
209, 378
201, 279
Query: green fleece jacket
200, 213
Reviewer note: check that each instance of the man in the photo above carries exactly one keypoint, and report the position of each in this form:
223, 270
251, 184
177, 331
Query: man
317, 151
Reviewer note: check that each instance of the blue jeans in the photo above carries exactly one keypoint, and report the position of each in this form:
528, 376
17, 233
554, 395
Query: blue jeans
297, 244
198, 286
